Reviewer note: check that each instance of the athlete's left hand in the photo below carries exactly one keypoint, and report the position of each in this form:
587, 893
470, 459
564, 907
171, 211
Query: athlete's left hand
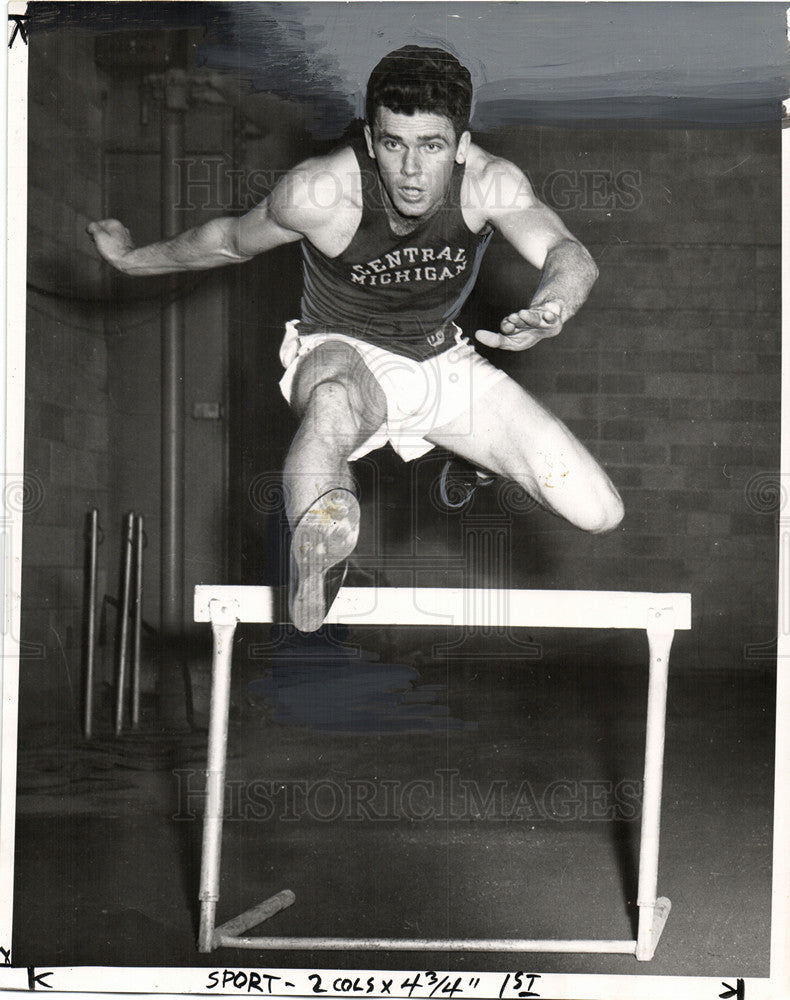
523, 329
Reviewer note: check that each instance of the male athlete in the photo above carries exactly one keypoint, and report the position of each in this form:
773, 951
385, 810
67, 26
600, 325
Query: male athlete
392, 234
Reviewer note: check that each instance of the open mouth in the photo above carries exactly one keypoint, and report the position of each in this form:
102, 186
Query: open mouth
411, 193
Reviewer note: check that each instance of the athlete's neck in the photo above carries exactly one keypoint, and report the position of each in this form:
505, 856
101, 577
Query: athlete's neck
402, 225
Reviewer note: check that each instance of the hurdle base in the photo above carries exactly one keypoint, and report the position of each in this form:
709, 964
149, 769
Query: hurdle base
427, 944
228, 935
657, 915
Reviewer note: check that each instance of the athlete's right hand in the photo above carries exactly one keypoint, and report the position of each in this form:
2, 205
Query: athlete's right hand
113, 240
525, 328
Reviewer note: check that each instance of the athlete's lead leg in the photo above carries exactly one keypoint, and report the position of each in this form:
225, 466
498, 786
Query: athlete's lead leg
341, 405
317, 460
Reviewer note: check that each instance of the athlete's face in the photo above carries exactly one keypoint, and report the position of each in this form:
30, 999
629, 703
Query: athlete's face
415, 156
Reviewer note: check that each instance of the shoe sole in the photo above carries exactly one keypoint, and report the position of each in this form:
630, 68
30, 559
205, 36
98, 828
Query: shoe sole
481, 478
326, 535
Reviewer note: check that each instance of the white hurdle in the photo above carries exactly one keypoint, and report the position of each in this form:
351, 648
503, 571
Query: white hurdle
657, 614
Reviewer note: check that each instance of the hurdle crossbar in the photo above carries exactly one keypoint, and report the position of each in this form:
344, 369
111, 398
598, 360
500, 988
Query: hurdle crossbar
658, 614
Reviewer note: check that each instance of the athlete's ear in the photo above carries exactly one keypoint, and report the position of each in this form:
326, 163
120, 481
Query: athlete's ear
369, 142
463, 148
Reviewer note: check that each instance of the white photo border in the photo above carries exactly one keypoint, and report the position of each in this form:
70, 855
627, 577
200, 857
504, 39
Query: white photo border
73, 981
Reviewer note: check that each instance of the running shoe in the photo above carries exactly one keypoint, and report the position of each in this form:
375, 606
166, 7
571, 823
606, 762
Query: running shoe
320, 545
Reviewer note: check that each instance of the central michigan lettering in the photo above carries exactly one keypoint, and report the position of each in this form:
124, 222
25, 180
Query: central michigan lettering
400, 266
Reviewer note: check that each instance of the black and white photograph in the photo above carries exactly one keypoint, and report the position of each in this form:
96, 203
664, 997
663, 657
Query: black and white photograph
395, 521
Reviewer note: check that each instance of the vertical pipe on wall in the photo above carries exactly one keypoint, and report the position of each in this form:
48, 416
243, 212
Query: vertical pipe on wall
231, 437
137, 618
171, 693
90, 626
124, 601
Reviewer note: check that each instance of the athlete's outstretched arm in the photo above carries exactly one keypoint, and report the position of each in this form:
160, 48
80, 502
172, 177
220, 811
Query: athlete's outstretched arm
541, 238
283, 217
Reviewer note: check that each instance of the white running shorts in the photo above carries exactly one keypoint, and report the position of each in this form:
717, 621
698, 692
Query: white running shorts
421, 395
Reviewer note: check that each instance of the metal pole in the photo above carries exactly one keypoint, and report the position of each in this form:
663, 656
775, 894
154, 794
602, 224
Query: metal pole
137, 619
90, 630
123, 621
171, 701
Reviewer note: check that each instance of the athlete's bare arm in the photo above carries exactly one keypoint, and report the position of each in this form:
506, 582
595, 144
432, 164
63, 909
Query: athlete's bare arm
318, 200
500, 194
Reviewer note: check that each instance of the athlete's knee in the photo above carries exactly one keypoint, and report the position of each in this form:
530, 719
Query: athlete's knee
331, 422
331, 391
597, 508
310, 385
327, 414
606, 513
322, 380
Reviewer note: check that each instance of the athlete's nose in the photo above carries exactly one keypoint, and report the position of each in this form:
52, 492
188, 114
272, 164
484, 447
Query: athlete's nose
411, 163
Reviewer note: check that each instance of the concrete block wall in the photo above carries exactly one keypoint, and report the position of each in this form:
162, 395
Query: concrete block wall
93, 364
670, 373
66, 436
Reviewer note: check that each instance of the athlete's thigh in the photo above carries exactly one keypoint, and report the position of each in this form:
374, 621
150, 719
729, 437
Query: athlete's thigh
338, 361
512, 434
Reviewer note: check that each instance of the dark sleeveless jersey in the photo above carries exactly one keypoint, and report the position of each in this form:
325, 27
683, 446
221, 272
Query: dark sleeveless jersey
398, 292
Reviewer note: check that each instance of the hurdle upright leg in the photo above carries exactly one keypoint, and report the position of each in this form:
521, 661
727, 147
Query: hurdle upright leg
223, 626
653, 911
224, 618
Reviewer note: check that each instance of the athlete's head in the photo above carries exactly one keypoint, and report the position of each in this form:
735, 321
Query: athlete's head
418, 107
414, 79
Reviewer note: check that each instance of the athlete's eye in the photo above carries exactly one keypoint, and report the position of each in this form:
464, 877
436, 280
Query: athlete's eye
434, 147
391, 144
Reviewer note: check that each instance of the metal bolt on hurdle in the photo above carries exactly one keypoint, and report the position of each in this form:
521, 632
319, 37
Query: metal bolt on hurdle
659, 615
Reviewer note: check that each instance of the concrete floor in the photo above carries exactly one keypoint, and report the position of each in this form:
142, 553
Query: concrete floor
108, 839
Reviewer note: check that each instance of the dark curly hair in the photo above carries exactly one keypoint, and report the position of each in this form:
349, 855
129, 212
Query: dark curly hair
414, 78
